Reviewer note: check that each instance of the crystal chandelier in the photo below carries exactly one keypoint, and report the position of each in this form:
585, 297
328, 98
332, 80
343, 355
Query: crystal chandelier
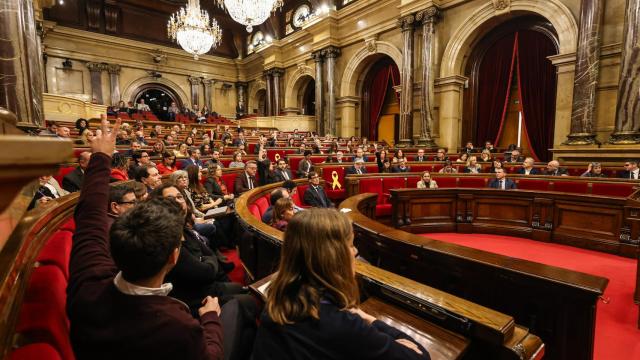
250, 12
190, 28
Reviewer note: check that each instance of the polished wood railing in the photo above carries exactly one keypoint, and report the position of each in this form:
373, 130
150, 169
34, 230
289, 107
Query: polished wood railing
451, 322
557, 304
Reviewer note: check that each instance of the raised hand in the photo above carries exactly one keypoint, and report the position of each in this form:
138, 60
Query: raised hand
105, 139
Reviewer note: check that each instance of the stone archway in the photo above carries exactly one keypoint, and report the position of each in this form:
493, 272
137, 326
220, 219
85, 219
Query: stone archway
449, 87
135, 87
297, 83
255, 87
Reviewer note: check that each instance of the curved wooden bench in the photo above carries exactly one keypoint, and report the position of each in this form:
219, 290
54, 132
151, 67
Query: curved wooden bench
452, 323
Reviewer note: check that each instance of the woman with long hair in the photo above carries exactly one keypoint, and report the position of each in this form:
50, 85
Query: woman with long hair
201, 199
399, 156
497, 164
236, 162
472, 166
381, 157
283, 211
168, 164
189, 141
291, 142
312, 301
182, 151
119, 167
82, 125
158, 148
214, 184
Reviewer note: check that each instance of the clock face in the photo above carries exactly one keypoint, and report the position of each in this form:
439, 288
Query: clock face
301, 15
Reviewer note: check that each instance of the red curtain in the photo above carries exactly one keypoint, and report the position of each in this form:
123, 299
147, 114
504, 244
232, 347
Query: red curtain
494, 81
537, 77
384, 77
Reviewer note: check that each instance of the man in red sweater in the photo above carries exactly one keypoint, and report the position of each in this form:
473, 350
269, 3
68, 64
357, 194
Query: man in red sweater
116, 298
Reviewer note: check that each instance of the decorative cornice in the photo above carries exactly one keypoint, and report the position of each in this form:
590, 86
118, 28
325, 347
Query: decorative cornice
193, 80
317, 56
113, 68
429, 15
242, 84
95, 66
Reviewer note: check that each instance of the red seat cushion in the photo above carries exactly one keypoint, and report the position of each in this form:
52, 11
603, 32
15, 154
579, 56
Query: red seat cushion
300, 190
571, 186
391, 183
621, 190
230, 180
39, 351
538, 185
372, 186
383, 210
294, 162
255, 211
70, 225
57, 251
446, 182
371, 168
575, 171
420, 167
271, 154
64, 170
412, 182
472, 182
262, 203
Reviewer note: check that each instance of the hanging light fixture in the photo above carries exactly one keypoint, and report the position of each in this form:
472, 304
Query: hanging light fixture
250, 12
190, 28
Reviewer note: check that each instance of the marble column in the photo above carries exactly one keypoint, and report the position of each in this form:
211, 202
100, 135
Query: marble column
21, 84
269, 97
318, 57
586, 74
428, 18
114, 81
276, 74
208, 93
241, 89
628, 106
331, 53
195, 90
406, 97
95, 70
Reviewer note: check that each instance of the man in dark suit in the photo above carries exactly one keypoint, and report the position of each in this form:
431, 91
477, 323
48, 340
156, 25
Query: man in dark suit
489, 146
501, 181
401, 167
420, 156
527, 167
631, 170
240, 140
282, 172
194, 158
515, 157
441, 155
554, 169
72, 182
247, 180
469, 148
357, 168
315, 195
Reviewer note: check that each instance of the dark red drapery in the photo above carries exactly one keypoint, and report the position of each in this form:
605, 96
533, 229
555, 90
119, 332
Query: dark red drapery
494, 82
384, 77
537, 77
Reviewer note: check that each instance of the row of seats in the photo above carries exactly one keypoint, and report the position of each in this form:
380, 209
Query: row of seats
42, 321
261, 204
383, 185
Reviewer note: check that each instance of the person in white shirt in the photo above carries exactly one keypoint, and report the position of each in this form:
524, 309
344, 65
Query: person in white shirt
426, 182
141, 106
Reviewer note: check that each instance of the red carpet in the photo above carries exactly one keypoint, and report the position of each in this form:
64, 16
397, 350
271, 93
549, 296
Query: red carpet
237, 274
617, 336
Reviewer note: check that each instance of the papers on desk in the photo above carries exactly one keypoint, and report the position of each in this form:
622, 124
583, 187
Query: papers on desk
345, 210
216, 211
262, 289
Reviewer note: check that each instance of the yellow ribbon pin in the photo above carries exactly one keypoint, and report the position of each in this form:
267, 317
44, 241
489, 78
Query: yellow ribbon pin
336, 183
277, 157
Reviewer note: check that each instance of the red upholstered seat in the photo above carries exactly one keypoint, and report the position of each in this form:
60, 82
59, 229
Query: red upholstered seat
420, 167
64, 170
230, 180
271, 154
371, 186
57, 251
578, 187
575, 171
453, 157
299, 194
446, 182
254, 210
225, 162
471, 182
334, 193
262, 203
70, 225
251, 148
538, 185
412, 182
437, 167
42, 316
392, 183
294, 162
38, 351
372, 169
383, 210
621, 190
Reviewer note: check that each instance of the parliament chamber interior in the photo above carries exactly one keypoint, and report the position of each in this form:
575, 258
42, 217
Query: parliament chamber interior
320, 179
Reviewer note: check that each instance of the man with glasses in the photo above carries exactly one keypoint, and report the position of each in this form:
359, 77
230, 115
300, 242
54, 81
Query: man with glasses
122, 198
315, 195
631, 170
247, 180
441, 155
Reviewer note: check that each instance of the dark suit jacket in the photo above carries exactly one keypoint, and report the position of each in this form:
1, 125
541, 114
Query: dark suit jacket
352, 170
623, 174
241, 185
73, 180
396, 169
317, 198
423, 158
238, 142
559, 172
534, 171
280, 175
302, 167
508, 159
189, 161
435, 158
509, 184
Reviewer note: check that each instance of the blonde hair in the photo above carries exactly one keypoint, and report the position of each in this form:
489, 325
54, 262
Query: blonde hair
315, 262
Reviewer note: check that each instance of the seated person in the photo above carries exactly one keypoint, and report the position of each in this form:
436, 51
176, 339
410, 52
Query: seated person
305, 166
554, 169
515, 157
168, 164
315, 195
386, 166
237, 160
593, 170
631, 170
282, 212
441, 155
527, 167
73, 180
401, 167
496, 164
426, 182
48, 189
463, 158
485, 155
116, 278
501, 181
357, 168
246, 180
472, 166
303, 316
448, 168
420, 156
215, 186
276, 194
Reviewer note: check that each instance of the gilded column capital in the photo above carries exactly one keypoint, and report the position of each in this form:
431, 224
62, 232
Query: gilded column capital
113, 68
242, 84
95, 66
317, 56
208, 82
429, 15
406, 23
331, 52
193, 80
276, 72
